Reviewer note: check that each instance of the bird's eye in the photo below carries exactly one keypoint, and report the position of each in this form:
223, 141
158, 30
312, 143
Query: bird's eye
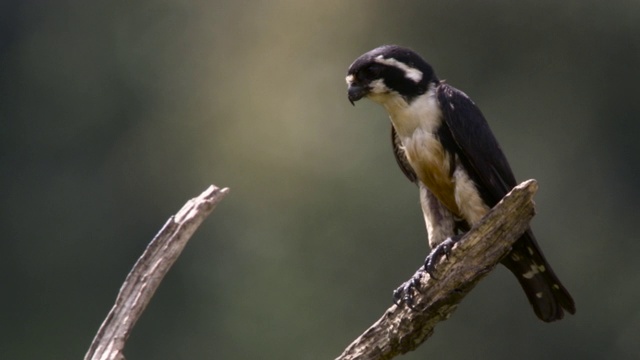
369, 72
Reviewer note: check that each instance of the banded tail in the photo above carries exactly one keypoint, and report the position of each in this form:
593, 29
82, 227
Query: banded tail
545, 292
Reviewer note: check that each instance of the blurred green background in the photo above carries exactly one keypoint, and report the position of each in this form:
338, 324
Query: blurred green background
114, 113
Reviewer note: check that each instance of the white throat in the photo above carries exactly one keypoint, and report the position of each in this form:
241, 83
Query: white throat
423, 113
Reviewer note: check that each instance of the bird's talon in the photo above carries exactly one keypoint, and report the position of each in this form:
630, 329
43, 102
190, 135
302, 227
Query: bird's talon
443, 249
405, 293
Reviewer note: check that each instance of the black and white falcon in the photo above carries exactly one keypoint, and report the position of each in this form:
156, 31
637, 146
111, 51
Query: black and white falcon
443, 143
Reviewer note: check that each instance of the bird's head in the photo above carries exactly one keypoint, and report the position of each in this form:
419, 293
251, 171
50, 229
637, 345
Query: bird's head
389, 73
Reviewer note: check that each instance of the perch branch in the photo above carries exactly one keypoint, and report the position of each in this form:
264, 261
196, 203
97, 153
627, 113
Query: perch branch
401, 329
148, 272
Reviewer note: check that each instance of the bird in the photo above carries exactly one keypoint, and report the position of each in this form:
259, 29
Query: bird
443, 143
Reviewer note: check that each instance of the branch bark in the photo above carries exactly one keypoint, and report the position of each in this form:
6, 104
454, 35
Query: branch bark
146, 275
401, 329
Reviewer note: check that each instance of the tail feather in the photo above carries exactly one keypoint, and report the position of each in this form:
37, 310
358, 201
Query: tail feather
545, 292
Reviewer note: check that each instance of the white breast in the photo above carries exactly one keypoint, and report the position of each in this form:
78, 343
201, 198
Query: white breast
417, 124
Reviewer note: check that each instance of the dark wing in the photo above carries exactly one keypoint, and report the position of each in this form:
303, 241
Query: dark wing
475, 144
401, 158
468, 134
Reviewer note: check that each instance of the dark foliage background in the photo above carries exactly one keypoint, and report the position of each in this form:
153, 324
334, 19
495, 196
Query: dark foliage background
114, 113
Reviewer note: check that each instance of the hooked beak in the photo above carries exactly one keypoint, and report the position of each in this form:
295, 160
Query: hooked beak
357, 92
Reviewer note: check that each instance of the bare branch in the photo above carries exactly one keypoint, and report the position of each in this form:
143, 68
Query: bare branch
148, 272
401, 329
